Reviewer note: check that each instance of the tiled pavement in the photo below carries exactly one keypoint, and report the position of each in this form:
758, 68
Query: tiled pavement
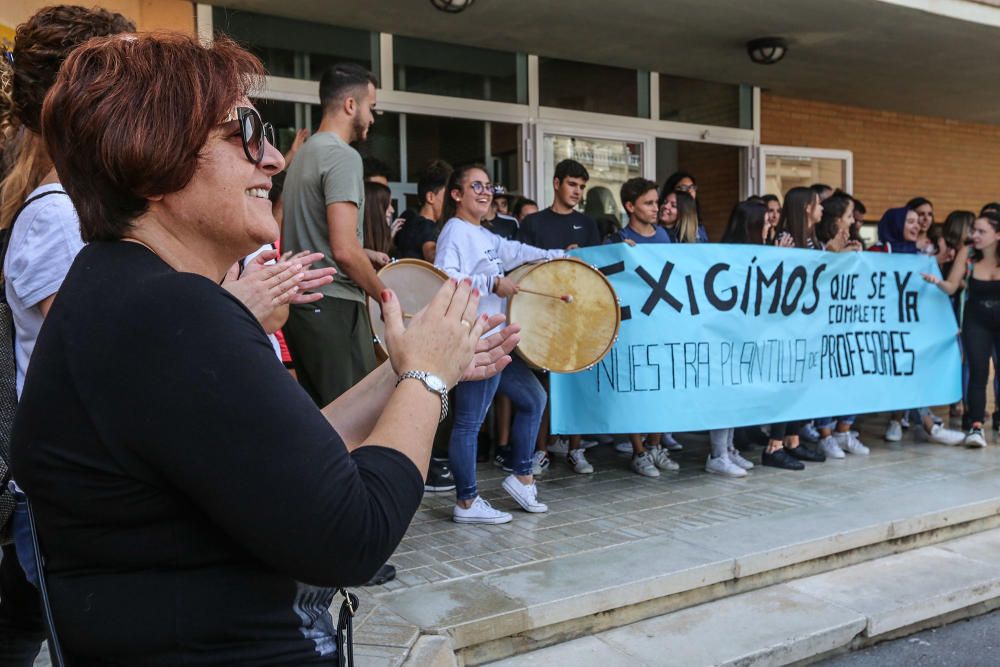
615, 506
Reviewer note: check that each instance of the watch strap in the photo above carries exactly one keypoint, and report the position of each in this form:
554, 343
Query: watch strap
422, 376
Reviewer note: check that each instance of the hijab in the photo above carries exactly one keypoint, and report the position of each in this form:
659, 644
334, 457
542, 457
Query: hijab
890, 231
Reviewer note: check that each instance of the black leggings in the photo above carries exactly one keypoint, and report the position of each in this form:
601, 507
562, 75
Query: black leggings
981, 334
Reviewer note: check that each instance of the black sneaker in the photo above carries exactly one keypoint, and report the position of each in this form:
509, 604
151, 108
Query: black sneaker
439, 477
780, 458
502, 459
806, 453
385, 573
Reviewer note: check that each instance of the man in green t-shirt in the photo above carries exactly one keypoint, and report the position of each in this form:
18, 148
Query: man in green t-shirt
324, 200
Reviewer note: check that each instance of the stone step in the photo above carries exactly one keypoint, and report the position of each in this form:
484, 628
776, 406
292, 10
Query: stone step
802, 619
498, 614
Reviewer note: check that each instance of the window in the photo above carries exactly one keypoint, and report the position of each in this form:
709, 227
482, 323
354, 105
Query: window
296, 49
459, 71
703, 102
597, 88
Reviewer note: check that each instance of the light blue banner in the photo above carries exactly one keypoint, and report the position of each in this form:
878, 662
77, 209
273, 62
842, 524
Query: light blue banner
714, 336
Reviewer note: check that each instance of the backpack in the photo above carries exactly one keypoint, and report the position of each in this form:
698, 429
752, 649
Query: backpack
8, 382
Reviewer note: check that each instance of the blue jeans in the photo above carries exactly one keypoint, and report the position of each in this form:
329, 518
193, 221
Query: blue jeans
472, 401
831, 422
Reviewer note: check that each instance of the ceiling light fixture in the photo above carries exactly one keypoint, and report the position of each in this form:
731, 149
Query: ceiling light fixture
767, 50
452, 6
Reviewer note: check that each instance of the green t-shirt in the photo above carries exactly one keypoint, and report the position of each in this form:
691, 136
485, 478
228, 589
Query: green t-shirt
325, 171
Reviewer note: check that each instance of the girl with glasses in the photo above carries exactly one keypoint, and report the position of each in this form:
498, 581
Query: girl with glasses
466, 250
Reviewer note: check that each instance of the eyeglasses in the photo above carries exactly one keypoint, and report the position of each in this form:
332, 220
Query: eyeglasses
254, 132
479, 187
686, 188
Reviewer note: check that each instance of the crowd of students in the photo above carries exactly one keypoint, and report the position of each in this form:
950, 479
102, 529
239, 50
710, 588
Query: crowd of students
164, 510
817, 218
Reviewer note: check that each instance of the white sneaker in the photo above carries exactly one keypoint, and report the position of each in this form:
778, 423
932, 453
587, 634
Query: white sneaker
668, 442
579, 462
893, 432
723, 466
480, 512
851, 444
829, 446
560, 447
904, 422
737, 458
623, 447
944, 436
661, 458
809, 432
643, 464
540, 463
525, 495
587, 443
975, 438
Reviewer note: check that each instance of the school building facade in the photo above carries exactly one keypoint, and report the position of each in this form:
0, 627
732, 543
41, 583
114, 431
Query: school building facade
888, 99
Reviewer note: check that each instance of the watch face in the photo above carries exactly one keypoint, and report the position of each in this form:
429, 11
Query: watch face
435, 383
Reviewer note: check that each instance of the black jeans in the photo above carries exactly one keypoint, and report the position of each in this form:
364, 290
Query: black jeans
981, 334
22, 629
783, 429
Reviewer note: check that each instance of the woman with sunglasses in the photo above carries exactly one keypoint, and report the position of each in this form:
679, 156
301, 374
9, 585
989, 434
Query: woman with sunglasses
466, 250
179, 527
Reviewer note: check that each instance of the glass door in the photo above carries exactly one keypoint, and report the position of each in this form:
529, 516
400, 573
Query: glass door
610, 161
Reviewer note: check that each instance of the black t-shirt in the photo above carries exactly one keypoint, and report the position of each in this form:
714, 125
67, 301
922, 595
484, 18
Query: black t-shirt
549, 230
415, 232
184, 485
503, 226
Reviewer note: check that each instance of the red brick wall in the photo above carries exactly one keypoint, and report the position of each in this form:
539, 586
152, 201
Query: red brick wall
717, 169
896, 156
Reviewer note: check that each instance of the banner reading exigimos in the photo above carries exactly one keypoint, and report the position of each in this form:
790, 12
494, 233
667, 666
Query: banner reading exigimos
716, 335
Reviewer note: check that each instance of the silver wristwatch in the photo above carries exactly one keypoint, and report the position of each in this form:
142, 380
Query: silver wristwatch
434, 384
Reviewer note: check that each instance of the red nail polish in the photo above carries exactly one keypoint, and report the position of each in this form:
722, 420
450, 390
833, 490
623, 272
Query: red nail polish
386, 294
475, 292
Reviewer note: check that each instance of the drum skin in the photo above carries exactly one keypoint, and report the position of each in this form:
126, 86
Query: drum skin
415, 283
558, 336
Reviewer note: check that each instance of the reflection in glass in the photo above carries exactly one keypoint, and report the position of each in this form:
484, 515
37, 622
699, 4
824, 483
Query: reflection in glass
295, 49
784, 172
610, 163
436, 68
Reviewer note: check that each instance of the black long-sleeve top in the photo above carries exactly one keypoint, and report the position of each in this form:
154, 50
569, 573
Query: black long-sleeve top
194, 505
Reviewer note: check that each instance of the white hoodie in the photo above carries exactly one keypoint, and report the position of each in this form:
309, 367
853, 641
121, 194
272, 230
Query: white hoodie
465, 250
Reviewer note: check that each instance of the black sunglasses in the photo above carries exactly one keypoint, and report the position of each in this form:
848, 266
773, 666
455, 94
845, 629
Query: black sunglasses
254, 132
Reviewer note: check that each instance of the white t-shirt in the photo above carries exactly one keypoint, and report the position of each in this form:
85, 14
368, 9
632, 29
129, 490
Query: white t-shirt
43, 244
246, 260
465, 250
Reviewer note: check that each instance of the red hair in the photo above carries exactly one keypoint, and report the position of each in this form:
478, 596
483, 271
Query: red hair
127, 119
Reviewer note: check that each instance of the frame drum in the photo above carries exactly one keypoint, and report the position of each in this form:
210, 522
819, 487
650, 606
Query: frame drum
415, 283
559, 336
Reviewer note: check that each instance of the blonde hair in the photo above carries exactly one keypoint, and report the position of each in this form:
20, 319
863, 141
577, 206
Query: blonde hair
24, 158
687, 219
